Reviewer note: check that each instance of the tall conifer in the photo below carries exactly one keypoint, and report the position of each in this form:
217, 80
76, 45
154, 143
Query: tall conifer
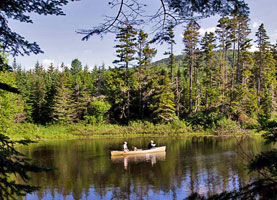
126, 54
191, 39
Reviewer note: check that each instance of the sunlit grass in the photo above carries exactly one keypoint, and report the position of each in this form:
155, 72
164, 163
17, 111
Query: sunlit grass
134, 129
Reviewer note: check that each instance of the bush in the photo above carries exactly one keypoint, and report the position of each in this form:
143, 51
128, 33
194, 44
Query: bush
97, 111
180, 126
206, 119
226, 126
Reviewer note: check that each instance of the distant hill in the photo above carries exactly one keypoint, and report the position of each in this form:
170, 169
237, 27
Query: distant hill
166, 61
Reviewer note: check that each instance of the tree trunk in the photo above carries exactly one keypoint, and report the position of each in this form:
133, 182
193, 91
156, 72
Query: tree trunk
190, 83
128, 91
171, 62
238, 64
232, 76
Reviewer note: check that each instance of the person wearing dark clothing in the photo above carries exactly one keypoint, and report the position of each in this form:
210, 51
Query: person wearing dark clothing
151, 144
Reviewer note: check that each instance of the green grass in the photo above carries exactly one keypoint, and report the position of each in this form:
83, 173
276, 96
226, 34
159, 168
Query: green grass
134, 129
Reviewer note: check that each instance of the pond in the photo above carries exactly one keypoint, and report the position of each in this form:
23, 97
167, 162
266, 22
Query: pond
85, 169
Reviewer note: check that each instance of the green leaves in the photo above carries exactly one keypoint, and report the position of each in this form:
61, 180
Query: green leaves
14, 164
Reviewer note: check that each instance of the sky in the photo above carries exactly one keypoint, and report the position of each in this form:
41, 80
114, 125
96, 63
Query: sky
57, 35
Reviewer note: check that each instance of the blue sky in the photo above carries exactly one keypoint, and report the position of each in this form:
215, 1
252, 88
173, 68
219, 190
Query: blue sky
57, 37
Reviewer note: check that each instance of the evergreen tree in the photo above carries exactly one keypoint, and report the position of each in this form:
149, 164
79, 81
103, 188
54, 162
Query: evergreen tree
243, 44
62, 107
38, 96
169, 38
223, 35
51, 82
145, 54
79, 92
265, 65
162, 102
208, 44
76, 67
116, 91
190, 40
126, 54
80, 101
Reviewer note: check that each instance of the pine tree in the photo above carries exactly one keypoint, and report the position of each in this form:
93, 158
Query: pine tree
80, 101
51, 81
126, 53
79, 92
190, 40
62, 107
223, 35
263, 46
38, 95
243, 44
145, 54
76, 66
208, 44
234, 41
169, 38
116, 91
162, 102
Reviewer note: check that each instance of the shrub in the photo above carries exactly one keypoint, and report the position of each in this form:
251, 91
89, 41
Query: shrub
97, 111
226, 126
206, 119
180, 126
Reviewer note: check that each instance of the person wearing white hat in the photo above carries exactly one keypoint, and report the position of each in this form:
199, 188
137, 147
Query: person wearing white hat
125, 147
151, 144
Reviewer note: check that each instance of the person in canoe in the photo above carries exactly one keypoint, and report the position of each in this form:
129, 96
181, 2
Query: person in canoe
125, 147
151, 144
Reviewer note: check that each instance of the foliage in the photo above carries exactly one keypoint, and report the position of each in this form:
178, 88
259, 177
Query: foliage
11, 105
208, 119
97, 111
162, 100
20, 10
14, 164
204, 87
62, 108
168, 12
226, 126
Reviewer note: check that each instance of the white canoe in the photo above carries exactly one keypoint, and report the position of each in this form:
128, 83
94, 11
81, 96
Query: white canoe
152, 150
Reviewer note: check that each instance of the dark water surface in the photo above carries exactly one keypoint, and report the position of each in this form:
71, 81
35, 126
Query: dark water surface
85, 169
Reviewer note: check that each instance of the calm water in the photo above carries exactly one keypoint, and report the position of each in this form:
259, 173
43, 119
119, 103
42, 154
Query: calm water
85, 170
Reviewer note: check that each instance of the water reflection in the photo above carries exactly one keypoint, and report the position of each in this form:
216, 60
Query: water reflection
134, 159
85, 169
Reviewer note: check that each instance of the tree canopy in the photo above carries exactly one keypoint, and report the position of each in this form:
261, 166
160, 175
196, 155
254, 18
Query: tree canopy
170, 12
12, 42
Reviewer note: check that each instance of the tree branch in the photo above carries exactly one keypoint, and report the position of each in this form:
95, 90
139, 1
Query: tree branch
8, 88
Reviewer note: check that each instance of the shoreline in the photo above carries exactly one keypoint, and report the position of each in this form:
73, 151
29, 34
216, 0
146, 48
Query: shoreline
79, 131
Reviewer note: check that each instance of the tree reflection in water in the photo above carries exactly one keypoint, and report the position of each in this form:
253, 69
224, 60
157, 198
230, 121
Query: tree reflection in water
85, 169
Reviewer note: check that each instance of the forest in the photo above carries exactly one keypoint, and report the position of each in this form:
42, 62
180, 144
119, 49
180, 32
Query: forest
218, 83
217, 86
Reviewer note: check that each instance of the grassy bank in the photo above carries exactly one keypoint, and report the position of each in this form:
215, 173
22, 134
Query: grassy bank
73, 131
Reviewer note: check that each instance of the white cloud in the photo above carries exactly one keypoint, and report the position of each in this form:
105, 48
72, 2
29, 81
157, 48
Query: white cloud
47, 62
202, 31
253, 48
255, 25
